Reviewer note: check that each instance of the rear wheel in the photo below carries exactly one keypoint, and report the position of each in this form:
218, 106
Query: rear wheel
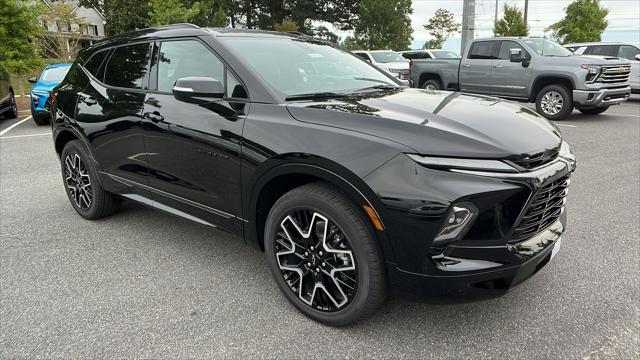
432, 85
12, 113
594, 111
40, 119
82, 185
323, 255
554, 102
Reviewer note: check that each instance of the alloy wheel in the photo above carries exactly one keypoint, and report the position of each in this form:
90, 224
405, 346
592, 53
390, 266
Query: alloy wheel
316, 260
78, 181
552, 102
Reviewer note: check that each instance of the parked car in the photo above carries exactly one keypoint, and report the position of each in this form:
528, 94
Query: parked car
429, 54
622, 50
530, 69
387, 60
346, 179
8, 108
49, 78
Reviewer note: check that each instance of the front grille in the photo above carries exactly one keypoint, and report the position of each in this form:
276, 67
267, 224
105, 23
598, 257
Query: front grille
614, 74
538, 159
403, 74
543, 210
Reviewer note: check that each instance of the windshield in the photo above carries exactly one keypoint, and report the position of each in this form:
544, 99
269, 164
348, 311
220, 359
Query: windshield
383, 57
56, 74
295, 66
445, 54
546, 47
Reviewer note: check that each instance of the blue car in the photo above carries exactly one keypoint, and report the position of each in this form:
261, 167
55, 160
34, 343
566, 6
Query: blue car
50, 77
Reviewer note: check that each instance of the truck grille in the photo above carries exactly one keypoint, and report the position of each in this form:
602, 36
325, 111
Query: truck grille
543, 210
537, 159
614, 74
402, 74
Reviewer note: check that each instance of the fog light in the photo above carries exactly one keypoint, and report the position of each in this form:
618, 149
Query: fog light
459, 220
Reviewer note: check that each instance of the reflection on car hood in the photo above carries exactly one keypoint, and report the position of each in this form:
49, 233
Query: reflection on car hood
437, 123
44, 86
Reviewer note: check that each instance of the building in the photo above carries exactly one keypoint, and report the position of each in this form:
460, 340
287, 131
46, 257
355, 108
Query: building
76, 36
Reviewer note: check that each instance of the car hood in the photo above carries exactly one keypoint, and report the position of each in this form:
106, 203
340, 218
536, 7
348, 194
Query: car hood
590, 59
44, 86
395, 65
438, 123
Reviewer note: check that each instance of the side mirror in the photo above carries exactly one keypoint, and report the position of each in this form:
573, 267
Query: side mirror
197, 89
637, 57
515, 55
33, 80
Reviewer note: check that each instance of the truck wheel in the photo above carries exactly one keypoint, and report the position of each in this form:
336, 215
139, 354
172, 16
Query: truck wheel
594, 111
554, 102
432, 85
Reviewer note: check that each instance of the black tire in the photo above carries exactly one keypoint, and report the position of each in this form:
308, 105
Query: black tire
566, 98
344, 218
432, 84
101, 203
40, 119
594, 111
12, 113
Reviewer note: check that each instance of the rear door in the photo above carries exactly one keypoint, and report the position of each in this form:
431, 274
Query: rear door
476, 66
109, 110
194, 149
510, 78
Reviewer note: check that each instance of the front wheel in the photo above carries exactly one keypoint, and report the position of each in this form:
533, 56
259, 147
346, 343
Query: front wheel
554, 102
594, 111
432, 85
323, 255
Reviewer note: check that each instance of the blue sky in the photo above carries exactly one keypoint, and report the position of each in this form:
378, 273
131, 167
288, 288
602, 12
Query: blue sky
624, 18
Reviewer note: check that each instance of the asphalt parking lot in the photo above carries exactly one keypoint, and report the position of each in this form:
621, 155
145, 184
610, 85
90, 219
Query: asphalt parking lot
144, 284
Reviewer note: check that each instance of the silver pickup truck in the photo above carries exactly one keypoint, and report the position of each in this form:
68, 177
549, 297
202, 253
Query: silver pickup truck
530, 69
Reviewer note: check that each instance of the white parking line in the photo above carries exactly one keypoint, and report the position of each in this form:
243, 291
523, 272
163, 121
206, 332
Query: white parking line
566, 125
14, 125
628, 115
21, 136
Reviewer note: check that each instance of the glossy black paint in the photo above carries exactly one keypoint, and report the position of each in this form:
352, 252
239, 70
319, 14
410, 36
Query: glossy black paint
223, 162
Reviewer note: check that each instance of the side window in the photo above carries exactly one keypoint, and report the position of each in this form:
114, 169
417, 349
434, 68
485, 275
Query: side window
505, 50
180, 59
95, 62
128, 66
364, 56
482, 50
234, 88
603, 50
628, 52
408, 56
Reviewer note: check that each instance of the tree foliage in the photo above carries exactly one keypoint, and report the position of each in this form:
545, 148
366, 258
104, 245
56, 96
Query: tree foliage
441, 26
125, 15
62, 45
287, 25
19, 52
584, 21
512, 23
384, 24
350, 43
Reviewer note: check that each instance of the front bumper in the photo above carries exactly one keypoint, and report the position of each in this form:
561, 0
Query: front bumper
600, 98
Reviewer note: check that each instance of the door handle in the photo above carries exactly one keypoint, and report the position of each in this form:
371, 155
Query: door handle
88, 100
154, 116
497, 66
466, 65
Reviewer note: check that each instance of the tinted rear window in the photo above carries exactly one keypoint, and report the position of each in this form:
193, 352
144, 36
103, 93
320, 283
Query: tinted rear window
128, 66
482, 50
94, 63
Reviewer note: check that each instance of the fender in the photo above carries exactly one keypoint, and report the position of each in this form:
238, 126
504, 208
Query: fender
532, 90
316, 167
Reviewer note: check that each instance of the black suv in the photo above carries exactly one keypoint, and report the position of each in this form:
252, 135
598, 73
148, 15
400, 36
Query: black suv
8, 107
351, 183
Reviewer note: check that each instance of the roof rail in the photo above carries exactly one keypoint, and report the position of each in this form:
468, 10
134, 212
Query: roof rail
177, 25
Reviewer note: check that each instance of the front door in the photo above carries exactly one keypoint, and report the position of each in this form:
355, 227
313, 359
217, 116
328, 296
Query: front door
476, 67
194, 149
510, 78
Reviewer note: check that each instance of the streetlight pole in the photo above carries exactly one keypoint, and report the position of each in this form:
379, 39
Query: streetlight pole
526, 10
495, 19
468, 23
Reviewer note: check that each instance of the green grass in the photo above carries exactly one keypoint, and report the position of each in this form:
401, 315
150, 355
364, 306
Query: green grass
21, 84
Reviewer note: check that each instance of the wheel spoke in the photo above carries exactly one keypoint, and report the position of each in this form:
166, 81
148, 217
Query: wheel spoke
78, 181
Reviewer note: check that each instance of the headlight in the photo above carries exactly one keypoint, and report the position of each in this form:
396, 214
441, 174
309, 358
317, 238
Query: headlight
593, 71
465, 164
458, 221
39, 92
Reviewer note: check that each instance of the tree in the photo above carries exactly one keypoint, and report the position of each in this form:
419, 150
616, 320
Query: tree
287, 25
322, 32
441, 26
163, 12
125, 15
63, 42
19, 52
384, 24
512, 23
584, 21
350, 43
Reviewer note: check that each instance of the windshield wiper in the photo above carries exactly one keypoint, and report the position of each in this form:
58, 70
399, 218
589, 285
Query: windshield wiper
316, 95
373, 80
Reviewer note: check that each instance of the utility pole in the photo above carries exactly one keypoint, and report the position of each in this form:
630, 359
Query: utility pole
526, 10
468, 23
495, 19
